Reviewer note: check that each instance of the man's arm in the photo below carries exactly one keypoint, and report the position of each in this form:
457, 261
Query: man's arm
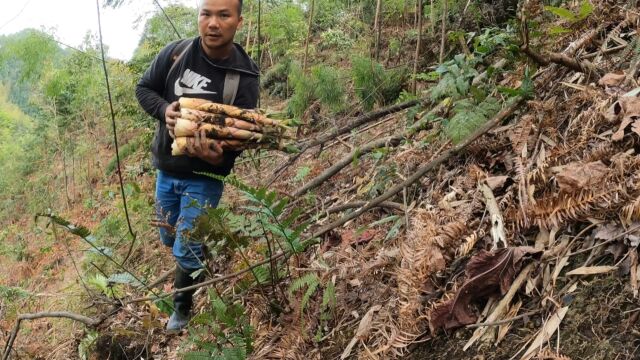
152, 85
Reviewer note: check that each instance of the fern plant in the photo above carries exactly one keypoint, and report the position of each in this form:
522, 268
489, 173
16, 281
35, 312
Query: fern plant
224, 332
468, 116
310, 281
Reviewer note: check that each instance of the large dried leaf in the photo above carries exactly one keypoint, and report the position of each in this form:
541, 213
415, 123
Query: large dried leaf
612, 79
501, 307
487, 273
577, 176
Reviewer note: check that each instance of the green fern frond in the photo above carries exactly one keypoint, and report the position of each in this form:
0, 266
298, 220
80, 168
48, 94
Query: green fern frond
197, 355
303, 281
468, 116
329, 296
124, 278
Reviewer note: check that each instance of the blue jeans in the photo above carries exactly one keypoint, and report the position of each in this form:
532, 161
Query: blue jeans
180, 200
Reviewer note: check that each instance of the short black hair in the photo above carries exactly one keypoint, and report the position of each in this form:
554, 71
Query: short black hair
239, 6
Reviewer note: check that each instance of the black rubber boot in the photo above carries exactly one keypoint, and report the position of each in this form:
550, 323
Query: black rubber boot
182, 301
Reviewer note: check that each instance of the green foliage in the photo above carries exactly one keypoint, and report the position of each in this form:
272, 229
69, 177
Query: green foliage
11, 294
275, 79
87, 344
158, 32
375, 84
468, 116
310, 281
456, 76
284, 27
126, 279
302, 173
323, 84
227, 323
585, 10
125, 151
335, 39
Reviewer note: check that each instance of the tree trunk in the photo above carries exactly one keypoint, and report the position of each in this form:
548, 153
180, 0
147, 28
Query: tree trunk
306, 44
444, 30
417, 57
248, 42
432, 15
376, 29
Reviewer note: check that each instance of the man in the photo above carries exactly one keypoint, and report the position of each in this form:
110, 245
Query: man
211, 67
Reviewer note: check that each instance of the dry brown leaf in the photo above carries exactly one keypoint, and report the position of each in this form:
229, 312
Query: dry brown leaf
576, 176
502, 306
612, 79
607, 231
547, 354
592, 270
496, 182
545, 333
619, 134
487, 273
363, 330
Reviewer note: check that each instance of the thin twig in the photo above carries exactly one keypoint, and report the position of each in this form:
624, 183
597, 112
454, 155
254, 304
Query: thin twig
505, 321
54, 314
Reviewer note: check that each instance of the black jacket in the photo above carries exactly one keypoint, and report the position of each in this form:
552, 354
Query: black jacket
196, 76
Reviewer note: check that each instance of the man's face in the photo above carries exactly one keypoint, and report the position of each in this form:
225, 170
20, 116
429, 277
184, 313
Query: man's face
218, 21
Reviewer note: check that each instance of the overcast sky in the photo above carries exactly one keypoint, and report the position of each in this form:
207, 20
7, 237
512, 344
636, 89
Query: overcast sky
70, 20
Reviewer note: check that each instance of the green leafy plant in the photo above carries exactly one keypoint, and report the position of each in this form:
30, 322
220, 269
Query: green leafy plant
302, 173
310, 281
468, 116
322, 83
223, 333
586, 9
375, 84
456, 76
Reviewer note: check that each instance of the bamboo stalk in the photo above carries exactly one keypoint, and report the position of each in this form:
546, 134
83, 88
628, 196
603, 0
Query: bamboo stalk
218, 119
186, 128
231, 111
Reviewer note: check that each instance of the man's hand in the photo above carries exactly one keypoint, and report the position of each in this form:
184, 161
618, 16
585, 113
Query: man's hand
171, 115
206, 149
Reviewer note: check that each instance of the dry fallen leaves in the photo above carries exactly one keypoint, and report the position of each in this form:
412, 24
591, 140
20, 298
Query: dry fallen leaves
487, 273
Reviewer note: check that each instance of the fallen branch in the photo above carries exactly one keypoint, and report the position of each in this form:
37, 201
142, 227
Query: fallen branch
357, 204
583, 66
501, 116
389, 141
208, 282
359, 121
55, 314
505, 321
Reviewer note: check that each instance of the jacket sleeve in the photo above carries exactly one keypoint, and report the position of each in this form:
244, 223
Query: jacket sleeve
152, 84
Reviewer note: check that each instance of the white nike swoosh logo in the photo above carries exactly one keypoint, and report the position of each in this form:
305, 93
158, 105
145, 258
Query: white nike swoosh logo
179, 90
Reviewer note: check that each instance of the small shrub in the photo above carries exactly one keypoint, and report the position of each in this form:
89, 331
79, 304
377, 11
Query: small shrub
375, 84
